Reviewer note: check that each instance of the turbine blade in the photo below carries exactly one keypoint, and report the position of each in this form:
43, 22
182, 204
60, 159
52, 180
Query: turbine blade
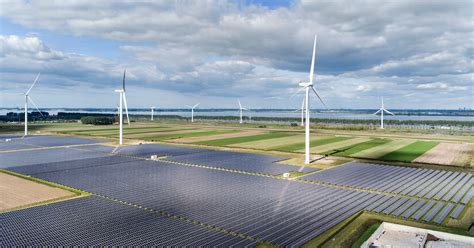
297, 92
123, 80
188, 106
388, 112
378, 111
195, 106
34, 82
320, 99
311, 73
32, 102
240, 105
245, 109
126, 107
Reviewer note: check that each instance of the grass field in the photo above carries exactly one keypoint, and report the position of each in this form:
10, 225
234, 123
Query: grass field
299, 146
236, 140
349, 150
409, 152
186, 135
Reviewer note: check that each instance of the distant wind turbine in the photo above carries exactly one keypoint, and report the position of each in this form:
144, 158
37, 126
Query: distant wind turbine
28, 98
152, 112
307, 87
241, 109
192, 110
123, 101
381, 110
302, 113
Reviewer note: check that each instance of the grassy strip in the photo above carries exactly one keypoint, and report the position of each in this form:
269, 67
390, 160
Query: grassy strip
99, 130
349, 150
409, 152
319, 142
236, 140
187, 135
366, 235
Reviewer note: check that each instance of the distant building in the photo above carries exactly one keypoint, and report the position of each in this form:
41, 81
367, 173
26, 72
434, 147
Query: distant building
394, 235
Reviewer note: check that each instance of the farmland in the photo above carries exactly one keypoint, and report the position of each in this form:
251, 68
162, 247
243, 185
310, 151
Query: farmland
378, 145
247, 201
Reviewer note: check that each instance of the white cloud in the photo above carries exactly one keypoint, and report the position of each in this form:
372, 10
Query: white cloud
220, 48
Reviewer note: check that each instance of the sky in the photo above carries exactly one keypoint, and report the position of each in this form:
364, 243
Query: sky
416, 54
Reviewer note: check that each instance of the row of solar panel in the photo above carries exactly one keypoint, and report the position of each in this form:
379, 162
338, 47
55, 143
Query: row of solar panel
93, 221
424, 183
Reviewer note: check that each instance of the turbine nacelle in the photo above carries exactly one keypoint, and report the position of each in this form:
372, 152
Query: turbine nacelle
305, 84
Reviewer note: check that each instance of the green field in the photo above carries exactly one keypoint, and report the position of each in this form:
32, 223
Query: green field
312, 143
349, 150
236, 140
187, 135
409, 152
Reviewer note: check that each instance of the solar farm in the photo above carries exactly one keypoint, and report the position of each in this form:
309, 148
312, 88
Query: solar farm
165, 194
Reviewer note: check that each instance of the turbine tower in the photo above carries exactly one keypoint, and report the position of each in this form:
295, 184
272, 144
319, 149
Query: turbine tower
152, 112
381, 110
307, 87
241, 109
192, 110
123, 101
28, 98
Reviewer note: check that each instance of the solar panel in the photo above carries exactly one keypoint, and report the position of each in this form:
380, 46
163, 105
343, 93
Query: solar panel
429, 216
422, 211
442, 215
457, 211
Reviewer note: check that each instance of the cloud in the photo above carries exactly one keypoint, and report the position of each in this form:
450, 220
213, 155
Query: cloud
440, 85
222, 48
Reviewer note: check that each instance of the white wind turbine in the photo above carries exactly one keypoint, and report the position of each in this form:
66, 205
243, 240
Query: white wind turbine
381, 110
307, 87
241, 109
302, 113
192, 110
28, 98
123, 101
152, 112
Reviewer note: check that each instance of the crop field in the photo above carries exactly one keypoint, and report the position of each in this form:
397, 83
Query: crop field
242, 139
410, 152
378, 145
17, 192
200, 197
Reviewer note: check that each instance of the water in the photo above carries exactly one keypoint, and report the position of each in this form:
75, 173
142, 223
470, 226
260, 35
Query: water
358, 114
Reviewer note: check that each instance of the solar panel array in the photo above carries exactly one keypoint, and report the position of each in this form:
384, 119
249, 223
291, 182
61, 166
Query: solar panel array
284, 212
146, 150
94, 221
261, 207
240, 161
44, 156
417, 182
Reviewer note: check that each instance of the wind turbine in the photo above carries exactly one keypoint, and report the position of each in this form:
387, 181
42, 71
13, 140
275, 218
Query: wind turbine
152, 112
123, 101
381, 110
307, 87
241, 109
302, 113
28, 98
192, 110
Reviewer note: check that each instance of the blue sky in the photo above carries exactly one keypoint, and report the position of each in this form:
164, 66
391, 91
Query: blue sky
215, 52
